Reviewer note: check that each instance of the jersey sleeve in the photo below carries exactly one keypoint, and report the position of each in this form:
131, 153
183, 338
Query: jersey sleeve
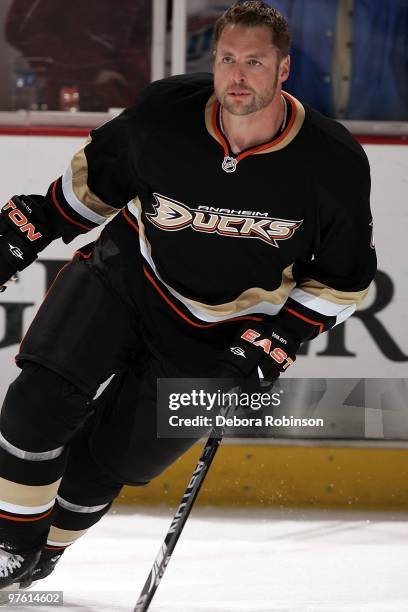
336, 278
100, 179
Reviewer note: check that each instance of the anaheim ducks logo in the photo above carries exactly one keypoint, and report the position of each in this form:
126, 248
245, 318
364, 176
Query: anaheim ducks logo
170, 215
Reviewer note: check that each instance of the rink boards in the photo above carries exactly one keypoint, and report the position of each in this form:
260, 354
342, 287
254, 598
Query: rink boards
279, 475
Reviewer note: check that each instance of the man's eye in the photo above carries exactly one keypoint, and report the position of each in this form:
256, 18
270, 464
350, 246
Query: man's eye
227, 60
254, 62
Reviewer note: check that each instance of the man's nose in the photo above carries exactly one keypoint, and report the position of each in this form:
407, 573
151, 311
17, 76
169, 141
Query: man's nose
238, 74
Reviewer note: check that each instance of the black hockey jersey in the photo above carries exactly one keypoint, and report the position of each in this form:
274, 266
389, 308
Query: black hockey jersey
283, 229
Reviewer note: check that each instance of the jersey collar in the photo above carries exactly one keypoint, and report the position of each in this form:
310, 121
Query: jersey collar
297, 118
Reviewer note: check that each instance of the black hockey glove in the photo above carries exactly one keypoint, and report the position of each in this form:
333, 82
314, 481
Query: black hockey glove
22, 235
269, 348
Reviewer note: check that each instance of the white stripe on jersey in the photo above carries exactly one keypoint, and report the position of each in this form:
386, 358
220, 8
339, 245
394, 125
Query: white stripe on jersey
322, 306
76, 204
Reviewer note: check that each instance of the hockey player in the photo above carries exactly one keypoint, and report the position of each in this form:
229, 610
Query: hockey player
244, 221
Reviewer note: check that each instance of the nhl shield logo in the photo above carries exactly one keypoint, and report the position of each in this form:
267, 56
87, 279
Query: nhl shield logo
229, 164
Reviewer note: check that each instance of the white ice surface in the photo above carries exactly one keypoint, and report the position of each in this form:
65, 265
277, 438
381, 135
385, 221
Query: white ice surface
241, 560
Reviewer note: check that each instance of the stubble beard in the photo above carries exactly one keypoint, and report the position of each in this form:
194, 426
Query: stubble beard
256, 103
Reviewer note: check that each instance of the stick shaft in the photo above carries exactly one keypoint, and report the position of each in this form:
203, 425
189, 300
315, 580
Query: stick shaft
177, 524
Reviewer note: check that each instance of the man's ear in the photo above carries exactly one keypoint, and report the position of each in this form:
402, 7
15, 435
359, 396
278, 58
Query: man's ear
284, 69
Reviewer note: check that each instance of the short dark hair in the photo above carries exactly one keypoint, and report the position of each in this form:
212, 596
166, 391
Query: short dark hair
255, 13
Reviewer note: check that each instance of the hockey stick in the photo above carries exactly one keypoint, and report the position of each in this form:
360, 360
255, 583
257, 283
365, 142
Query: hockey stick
183, 512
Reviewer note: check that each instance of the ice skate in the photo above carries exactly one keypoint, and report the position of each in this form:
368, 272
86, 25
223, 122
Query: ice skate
44, 567
14, 566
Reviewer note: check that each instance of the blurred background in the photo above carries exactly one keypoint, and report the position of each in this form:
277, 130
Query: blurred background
349, 57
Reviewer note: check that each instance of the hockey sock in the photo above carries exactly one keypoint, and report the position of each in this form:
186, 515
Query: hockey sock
41, 413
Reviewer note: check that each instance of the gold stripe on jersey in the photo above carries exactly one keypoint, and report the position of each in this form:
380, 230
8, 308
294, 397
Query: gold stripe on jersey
63, 536
342, 298
79, 167
278, 143
248, 299
27, 495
